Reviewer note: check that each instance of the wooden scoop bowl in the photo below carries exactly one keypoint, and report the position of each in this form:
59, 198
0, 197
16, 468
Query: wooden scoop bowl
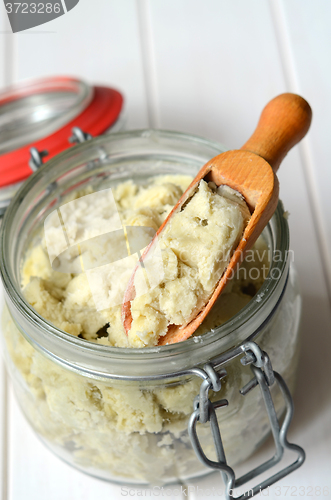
251, 171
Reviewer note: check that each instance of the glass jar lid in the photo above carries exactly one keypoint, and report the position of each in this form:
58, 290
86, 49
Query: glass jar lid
31, 111
41, 114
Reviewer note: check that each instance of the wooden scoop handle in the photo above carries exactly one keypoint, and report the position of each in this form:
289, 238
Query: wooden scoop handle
283, 123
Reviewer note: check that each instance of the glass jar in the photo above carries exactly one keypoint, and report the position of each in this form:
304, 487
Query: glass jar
122, 414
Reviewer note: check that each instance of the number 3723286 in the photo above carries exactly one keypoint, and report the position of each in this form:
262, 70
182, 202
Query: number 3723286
33, 8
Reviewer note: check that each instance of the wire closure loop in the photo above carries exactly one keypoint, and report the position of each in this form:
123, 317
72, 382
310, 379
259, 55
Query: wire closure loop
205, 411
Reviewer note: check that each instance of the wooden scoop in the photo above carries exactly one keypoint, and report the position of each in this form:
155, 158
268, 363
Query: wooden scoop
251, 171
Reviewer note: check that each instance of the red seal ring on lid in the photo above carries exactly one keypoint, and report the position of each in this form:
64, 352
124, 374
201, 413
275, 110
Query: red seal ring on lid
42, 114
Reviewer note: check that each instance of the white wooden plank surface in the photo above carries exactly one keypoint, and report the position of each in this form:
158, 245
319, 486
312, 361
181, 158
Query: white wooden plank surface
2, 46
3, 432
97, 41
7, 50
216, 66
3, 426
309, 35
3, 422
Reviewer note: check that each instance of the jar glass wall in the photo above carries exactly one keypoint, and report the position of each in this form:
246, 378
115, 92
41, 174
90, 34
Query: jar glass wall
118, 413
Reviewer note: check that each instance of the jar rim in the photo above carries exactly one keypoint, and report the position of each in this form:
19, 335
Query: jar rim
81, 354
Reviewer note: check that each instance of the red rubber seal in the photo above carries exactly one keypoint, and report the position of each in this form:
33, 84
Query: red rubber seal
101, 113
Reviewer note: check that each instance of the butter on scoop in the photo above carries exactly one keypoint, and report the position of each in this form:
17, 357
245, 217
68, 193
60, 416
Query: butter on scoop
196, 247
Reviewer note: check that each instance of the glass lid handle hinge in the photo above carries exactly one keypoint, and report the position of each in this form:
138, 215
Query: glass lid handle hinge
205, 411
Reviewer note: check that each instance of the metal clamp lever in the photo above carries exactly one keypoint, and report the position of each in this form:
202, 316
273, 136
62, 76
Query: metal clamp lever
264, 376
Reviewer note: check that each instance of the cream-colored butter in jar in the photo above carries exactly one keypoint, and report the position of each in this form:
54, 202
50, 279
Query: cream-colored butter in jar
122, 413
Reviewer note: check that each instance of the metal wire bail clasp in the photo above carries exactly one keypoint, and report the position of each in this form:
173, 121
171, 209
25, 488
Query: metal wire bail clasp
36, 158
79, 136
204, 410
